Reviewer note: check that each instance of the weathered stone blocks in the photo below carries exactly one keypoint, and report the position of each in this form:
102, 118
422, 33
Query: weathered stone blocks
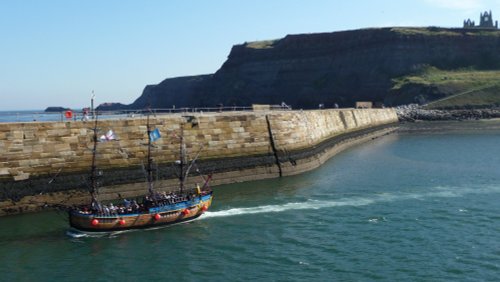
42, 147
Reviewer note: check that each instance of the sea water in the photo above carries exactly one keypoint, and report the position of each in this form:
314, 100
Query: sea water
30, 115
404, 207
41, 116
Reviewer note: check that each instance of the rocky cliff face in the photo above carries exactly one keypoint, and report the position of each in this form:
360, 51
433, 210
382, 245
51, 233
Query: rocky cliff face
173, 92
341, 67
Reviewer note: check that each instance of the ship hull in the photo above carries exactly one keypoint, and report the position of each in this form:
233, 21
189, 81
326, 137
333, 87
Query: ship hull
154, 217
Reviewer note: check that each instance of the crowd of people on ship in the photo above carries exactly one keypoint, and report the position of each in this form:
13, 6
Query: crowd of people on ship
158, 199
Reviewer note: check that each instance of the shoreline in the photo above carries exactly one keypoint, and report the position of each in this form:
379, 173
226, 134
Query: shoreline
414, 112
449, 126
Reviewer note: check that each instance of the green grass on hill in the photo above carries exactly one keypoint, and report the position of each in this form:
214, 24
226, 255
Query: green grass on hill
437, 31
463, 78
489, 96
460, 88
426, 31
265, 44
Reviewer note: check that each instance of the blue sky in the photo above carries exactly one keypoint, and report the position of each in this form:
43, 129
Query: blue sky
55, 52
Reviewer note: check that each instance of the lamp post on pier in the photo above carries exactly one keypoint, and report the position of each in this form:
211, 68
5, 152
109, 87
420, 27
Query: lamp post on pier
92, 104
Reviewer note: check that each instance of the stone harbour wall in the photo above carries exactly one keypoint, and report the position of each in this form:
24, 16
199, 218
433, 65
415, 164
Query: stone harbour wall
46, 163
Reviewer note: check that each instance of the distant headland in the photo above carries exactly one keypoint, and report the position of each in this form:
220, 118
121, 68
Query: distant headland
388, 66
55, 109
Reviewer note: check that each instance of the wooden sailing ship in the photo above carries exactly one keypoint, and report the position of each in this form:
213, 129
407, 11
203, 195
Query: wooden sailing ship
156, 208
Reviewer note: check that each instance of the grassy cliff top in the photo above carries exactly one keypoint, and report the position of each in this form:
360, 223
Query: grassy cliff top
264, 44
437, 31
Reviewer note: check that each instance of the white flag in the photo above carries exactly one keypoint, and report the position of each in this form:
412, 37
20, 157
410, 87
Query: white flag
110, 135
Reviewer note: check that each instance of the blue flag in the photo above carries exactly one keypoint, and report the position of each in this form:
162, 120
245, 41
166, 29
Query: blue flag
154, 135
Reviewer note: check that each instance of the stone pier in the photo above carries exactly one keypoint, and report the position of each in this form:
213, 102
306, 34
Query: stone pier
46, 163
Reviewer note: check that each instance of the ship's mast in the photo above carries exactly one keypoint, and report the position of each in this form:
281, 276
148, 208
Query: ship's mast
93, 168
149, 168
182, 163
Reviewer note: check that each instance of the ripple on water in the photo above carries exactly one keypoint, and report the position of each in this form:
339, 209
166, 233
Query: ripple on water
401, 208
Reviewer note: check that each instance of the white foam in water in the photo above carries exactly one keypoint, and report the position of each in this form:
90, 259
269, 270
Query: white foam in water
436, 192
79, 234
308, 205
73, 234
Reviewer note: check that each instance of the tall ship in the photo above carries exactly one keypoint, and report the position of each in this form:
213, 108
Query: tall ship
155, 208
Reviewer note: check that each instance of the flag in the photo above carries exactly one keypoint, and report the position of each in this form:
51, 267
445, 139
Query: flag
154, 135
110, 135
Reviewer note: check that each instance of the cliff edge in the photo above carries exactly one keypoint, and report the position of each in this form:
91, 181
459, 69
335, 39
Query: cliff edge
340, 67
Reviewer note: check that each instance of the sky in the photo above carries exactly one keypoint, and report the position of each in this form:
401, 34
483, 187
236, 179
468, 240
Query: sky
57, 52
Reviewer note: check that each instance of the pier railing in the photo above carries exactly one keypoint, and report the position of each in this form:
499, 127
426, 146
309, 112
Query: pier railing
75, 115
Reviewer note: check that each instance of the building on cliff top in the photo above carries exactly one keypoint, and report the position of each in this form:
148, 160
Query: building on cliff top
486, 22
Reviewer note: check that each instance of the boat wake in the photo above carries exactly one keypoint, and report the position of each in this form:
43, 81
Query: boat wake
436, 192
308, 205
76, 234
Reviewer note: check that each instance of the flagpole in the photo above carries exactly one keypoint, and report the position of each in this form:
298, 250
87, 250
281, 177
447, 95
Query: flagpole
149, 168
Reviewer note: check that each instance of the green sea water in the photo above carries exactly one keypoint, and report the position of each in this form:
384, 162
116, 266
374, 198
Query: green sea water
404, 207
